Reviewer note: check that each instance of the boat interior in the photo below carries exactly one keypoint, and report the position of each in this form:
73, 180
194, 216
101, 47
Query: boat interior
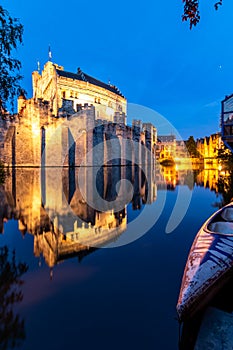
221, 223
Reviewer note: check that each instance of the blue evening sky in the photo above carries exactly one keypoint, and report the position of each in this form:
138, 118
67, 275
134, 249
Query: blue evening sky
142, 47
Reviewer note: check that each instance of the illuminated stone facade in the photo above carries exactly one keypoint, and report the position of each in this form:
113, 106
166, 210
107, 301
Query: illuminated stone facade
66, 92
208, 147
168, 148
68, 115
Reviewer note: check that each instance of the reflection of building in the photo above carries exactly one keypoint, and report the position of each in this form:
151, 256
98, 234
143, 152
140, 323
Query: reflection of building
208, 179
66, 214
69, 113
167, 178
171, 176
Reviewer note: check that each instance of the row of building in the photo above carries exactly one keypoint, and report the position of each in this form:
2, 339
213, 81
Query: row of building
168, 148
83, 112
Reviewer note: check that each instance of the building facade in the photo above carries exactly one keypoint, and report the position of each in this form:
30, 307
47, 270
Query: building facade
68, 116
208, 147
67, 91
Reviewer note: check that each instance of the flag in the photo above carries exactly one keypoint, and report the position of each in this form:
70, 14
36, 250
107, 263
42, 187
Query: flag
50, 54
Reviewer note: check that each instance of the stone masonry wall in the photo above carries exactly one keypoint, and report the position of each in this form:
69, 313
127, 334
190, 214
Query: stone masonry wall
37, 138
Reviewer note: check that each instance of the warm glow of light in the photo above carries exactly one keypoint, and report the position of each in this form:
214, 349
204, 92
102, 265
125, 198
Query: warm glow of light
35, 129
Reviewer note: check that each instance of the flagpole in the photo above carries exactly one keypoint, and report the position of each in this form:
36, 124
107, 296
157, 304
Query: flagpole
50, 54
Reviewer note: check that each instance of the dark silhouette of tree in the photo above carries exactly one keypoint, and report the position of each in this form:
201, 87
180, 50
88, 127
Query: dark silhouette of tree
225, 188
225, 182
192, 13
192, 147
11, 33
12, 331
2, 173
225, 156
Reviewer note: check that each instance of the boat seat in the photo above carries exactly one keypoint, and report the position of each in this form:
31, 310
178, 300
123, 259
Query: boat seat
227, 214
222, 227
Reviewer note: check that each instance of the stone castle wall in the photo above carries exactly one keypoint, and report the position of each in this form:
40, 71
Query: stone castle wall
67, 119
37, 139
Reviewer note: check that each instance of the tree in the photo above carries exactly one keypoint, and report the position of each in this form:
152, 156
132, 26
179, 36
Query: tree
192, 13
2, 173
225, 187
225, 157
11, 33
12, 331
192, 147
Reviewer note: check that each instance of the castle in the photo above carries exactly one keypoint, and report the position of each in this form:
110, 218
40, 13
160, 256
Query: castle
67, 116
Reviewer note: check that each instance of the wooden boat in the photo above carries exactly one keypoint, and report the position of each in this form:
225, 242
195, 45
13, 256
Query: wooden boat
209, 262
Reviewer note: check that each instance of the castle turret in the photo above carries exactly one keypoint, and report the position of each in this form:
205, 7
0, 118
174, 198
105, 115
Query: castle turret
21, 101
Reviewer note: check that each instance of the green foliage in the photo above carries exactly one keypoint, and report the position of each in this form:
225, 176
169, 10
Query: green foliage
12, 330
225, 181
225, 188
191, 11
225, 156
11, 32
192, 147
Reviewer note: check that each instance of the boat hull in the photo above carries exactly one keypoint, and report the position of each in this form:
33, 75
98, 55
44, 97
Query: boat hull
209, 263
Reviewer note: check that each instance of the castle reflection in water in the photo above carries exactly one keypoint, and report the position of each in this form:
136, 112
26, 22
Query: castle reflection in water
51, 206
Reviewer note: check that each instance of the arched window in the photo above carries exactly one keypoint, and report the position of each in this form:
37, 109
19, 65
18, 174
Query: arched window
63, 94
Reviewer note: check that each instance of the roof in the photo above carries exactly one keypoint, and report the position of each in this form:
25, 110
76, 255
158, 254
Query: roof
227, 97
85, 77
166, 138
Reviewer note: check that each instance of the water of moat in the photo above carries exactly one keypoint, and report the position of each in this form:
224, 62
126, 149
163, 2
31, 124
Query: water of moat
77, 295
